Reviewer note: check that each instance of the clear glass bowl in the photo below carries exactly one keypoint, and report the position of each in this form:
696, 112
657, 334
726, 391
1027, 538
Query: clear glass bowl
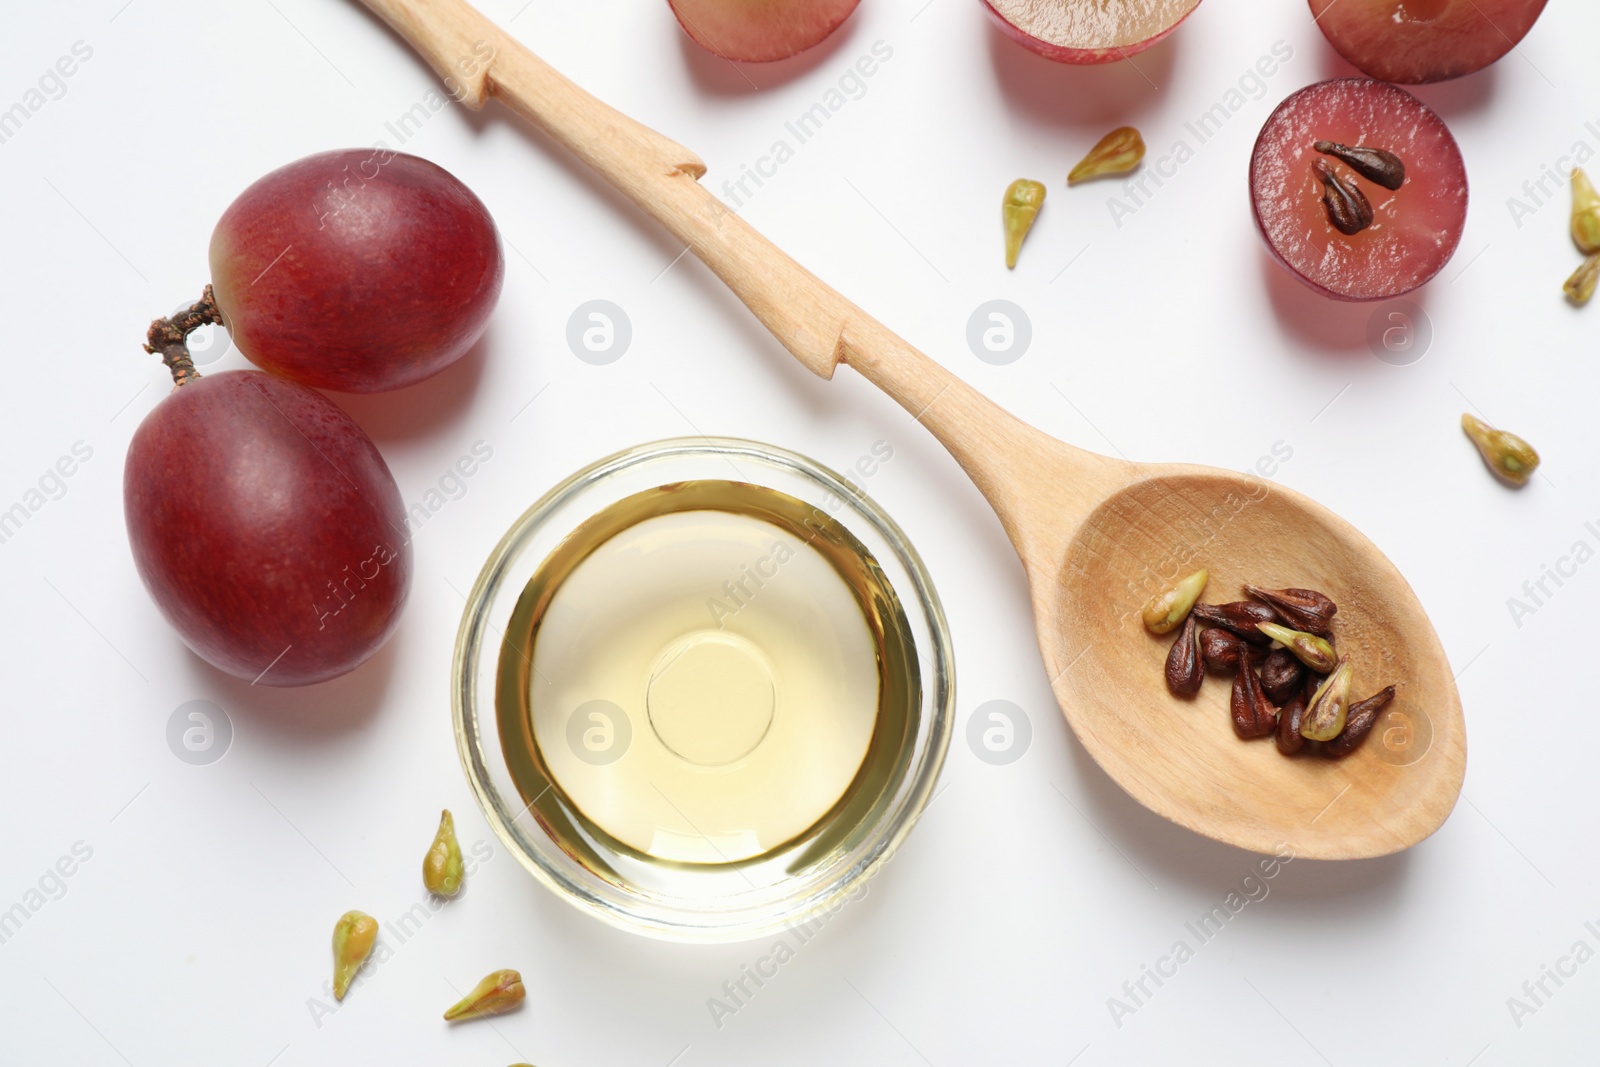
698, 902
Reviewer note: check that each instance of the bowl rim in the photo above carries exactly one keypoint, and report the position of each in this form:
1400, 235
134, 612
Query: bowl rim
669, 920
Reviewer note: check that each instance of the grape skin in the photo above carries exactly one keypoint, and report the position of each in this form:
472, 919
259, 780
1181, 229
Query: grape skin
267, 528
360, 270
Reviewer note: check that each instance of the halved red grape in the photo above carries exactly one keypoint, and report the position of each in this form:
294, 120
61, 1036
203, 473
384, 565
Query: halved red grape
360, 270
1412, 41
266, 527
1415, 229
1088, 31
760, 31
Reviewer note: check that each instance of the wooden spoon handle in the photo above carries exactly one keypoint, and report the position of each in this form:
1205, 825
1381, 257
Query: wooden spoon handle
478, 60
819, 326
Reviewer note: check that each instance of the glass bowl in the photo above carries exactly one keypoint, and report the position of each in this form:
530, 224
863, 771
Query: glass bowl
700, 901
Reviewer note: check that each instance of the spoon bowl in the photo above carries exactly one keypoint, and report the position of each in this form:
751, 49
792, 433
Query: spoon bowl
1181, 758
1097, 536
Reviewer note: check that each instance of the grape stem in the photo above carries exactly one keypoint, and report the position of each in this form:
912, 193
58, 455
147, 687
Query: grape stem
169, 337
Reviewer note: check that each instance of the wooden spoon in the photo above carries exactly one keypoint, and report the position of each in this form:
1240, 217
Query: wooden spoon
1097, 536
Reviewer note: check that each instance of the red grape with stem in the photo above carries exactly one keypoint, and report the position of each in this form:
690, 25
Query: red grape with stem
263, 521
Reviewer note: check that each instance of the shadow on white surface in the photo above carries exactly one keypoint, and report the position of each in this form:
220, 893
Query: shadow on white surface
1451, 99
1320, 324
1460, 96
1066, 95
309, 713
430, 406
1170, 854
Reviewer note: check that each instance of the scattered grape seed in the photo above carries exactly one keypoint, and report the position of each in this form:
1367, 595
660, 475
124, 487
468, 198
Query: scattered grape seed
1314, 651
1358, 723
1220, 649
1185, 669
1581, 286
1116, 153
1328, 710
1291, 717
1239, 618
1021, 206
442, 866
1168, 609
353, 937
1585, 213
1511, 458
1374, 164
1281, 675
1303, 609
1253, 715
497, 994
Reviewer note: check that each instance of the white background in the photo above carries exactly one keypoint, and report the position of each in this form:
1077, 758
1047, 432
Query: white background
198, 931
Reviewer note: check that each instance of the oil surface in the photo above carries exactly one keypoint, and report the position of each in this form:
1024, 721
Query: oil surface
708, 672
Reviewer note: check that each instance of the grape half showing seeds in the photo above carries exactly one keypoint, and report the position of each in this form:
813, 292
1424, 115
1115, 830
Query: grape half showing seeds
1409, 234
360, 270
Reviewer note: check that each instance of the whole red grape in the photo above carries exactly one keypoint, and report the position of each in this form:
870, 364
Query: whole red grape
267, 528
360, 270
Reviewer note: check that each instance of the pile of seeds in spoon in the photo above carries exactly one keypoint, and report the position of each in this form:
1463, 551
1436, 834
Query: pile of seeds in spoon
1289, 681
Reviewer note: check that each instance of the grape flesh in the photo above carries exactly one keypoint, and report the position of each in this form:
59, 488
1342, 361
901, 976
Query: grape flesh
267, 528
361, 270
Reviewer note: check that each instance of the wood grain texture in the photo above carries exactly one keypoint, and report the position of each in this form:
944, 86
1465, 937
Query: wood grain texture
1097, 536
